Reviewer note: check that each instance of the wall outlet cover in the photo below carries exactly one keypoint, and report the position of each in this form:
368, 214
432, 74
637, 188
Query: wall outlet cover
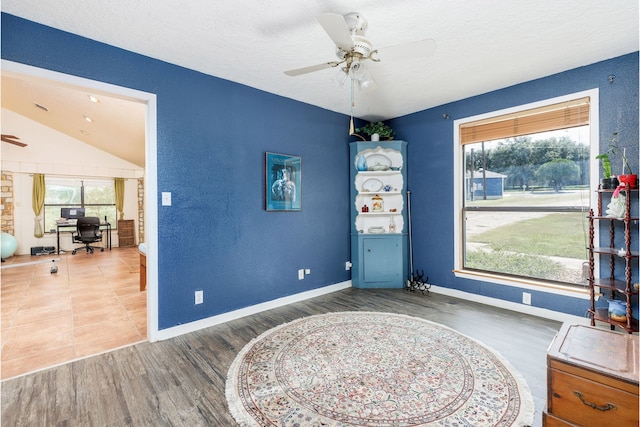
199, 297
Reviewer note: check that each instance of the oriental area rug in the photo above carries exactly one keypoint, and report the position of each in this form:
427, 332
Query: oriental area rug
373, 369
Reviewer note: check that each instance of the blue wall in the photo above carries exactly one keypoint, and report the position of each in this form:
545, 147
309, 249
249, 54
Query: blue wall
212, 136
430, 153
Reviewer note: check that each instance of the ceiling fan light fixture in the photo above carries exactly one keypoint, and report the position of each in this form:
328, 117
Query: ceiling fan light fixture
340, 76
357, 70
366, 83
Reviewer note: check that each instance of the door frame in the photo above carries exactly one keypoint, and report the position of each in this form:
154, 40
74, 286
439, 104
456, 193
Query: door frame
150, 170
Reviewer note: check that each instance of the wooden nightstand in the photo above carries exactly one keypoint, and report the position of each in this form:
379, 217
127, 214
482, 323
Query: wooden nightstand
592, 378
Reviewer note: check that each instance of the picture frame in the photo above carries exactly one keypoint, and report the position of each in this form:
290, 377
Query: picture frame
283, 182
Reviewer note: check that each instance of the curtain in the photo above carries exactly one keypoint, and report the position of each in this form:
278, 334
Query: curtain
118, 184
37, 201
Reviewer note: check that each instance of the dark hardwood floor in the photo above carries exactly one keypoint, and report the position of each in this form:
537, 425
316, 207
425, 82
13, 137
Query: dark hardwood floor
181, 381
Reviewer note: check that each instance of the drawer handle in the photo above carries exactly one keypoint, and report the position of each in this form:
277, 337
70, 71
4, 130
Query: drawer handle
606, 407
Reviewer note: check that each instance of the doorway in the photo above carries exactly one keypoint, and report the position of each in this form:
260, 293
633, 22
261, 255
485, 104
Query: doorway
148, 101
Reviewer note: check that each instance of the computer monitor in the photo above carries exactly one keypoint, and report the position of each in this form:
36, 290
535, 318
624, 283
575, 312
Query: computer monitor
72, 213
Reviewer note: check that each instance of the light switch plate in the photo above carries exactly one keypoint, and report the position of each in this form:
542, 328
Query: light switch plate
166, 198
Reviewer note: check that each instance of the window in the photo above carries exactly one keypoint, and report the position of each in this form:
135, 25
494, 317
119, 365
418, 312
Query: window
97, 197
524, 177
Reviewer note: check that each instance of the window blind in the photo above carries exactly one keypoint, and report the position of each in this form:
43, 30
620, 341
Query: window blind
550, 117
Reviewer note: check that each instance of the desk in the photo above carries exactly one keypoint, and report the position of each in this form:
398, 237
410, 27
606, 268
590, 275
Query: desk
70, 228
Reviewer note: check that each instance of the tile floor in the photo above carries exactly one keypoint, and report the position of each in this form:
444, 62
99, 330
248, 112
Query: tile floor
91, 305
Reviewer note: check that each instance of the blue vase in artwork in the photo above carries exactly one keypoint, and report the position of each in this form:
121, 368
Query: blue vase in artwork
361, 163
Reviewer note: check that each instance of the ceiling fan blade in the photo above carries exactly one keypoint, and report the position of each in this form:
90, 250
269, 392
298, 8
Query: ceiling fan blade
12, 139
419, 49
312, 68
335, 25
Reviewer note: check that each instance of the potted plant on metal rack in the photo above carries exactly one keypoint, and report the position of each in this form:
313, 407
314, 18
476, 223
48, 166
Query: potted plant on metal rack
623, 178
375, 131
606, 182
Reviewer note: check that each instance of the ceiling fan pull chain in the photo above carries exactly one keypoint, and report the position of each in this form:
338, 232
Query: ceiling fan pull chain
351, 128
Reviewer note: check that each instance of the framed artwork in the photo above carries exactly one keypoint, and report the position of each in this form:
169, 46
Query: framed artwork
283, 191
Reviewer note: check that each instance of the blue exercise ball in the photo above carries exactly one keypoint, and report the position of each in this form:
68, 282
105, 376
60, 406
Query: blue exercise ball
9, 245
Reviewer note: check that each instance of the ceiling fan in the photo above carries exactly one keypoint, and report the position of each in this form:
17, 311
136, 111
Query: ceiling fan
12, 139
353, 48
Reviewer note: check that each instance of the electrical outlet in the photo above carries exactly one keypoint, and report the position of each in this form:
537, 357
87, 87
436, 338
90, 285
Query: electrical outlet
307, 271
166, 198
347, 265
301, 274
199, 297
526, 298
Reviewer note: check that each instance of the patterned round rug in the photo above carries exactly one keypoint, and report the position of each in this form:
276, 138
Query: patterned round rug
373, 369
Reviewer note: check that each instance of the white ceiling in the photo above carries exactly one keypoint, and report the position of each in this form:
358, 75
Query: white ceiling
117, 125
481, 45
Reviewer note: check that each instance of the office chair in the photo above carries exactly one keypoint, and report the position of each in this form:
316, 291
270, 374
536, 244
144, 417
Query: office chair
87, 232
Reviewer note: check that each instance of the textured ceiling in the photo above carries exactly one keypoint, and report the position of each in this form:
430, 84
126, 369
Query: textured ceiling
481, 45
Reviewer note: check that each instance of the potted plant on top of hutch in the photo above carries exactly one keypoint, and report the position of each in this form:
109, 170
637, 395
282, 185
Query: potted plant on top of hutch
375, 131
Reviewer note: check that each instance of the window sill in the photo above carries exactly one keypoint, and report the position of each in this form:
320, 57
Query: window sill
565, 290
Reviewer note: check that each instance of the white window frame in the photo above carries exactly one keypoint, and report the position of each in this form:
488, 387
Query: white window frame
458, 162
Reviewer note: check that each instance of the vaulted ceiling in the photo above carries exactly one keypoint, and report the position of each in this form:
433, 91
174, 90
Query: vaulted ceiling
100, 119
480, 45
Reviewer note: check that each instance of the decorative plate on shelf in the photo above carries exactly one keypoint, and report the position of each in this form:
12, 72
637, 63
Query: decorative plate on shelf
372, 185
378, 162
375, 230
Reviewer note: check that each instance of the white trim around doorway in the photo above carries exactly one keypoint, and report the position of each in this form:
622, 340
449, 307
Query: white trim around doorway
151, 167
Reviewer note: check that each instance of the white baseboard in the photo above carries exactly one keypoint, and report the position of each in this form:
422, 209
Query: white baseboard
248, 311
508, 305
254, 309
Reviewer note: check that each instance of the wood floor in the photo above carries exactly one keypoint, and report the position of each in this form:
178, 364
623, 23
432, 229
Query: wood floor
181, 381
90, 305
